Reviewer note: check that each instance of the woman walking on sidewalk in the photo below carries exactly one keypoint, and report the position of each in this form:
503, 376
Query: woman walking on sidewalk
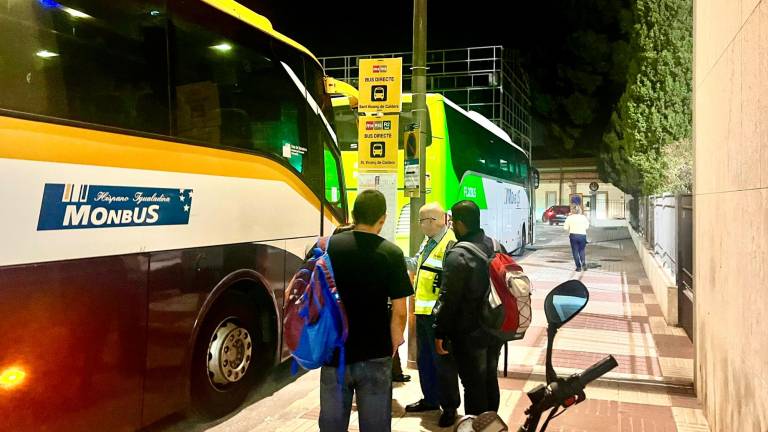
576, 224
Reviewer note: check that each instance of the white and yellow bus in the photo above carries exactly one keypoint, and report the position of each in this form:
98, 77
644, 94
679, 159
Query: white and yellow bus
163, 166
467, 157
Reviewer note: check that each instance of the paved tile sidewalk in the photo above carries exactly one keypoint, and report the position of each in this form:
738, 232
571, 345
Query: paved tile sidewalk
649, 391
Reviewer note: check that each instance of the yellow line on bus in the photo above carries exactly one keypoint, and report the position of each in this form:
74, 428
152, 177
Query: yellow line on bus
38, 141
258, 21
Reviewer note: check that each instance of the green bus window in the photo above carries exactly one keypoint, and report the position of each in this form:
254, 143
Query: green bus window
475, 148
346, 127
333, 190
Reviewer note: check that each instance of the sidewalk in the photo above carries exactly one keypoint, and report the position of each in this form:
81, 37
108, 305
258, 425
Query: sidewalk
651, 390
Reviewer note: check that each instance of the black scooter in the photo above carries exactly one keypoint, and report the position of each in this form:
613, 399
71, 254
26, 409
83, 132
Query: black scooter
561, 305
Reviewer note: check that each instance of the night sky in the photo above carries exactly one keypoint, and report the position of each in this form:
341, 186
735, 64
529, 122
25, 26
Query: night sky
355, 27
568, 48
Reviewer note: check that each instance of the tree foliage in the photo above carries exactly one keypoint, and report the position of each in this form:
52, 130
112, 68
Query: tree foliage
654, 113
577, 56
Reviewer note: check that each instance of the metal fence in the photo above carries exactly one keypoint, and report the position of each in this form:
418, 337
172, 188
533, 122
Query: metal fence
486, 79
665, 232
616, 209
685, 293
666, 224
611, 209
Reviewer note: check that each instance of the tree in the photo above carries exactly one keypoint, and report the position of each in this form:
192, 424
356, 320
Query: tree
654, 114
576, 54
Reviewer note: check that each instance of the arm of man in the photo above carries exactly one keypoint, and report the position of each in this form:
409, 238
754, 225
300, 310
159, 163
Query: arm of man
451, 294
397, 325
399, 289
412, 263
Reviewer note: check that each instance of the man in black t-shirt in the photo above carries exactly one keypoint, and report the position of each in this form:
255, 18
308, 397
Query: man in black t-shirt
369, 271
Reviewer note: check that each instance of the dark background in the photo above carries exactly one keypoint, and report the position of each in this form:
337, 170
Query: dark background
574, 51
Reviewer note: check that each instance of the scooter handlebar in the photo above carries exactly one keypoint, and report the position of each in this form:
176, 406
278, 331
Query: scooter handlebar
597, 370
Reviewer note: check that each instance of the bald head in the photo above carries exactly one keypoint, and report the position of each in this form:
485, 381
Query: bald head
432, 217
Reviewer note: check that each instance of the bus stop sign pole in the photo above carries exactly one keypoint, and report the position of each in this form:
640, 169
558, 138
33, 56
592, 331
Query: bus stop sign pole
419, 108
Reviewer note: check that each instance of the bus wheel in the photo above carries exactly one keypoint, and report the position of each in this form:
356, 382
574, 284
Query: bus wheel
524, 239
223, 370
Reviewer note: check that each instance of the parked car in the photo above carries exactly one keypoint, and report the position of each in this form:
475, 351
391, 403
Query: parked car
556, 214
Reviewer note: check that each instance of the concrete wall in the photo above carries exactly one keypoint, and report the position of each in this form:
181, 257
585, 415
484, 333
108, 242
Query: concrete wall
731, 216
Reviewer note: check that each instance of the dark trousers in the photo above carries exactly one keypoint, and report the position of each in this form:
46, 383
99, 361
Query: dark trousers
437, 374
478, 367
578, 248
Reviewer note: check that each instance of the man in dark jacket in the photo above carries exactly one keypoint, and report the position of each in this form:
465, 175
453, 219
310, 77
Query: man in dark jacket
457, 314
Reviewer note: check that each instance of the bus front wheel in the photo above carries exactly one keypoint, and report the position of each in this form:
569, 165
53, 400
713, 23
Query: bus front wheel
225, 357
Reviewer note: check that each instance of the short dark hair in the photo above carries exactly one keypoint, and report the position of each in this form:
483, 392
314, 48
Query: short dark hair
468, 213
369, 207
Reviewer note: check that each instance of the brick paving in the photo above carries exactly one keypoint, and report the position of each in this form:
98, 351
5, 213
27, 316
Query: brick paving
651, 390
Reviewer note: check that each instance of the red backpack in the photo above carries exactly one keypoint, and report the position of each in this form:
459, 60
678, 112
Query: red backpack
506, 311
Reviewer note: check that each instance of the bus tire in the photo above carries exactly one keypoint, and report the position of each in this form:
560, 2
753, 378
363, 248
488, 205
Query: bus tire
523, 239
226, 343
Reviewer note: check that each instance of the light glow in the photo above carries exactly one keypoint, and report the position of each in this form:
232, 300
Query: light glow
75, 13
46, 54
12, 377
222, 47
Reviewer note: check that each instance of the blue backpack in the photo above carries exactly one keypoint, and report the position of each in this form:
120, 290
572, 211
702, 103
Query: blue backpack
315, 324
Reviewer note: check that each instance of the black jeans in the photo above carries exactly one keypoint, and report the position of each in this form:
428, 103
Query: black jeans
437, 374
478, 366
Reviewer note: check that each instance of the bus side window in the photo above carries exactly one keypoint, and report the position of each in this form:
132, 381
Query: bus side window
333, 186
97, 62
232, 92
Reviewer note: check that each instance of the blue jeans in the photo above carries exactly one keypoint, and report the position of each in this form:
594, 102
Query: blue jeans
371, 382
578, 249
437, 374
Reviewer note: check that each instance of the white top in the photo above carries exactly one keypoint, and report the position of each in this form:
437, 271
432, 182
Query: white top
576, 224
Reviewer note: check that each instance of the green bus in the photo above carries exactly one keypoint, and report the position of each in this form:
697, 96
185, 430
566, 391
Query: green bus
467, 157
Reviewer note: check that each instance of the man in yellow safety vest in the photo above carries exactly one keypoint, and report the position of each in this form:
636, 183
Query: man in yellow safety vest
437, 374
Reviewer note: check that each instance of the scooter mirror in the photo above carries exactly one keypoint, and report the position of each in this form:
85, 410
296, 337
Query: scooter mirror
564, 302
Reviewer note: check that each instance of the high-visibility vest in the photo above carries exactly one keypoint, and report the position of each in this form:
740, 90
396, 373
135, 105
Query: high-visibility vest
428, 275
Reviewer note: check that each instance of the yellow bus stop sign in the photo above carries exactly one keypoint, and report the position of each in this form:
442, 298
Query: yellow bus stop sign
378, 143
380, 85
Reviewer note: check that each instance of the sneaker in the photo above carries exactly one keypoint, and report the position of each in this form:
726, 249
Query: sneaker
578, 269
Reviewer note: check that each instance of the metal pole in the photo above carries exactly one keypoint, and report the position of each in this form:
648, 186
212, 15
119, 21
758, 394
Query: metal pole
419, 110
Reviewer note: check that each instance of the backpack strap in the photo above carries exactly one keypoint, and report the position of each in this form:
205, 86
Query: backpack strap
473, 249
323, 243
